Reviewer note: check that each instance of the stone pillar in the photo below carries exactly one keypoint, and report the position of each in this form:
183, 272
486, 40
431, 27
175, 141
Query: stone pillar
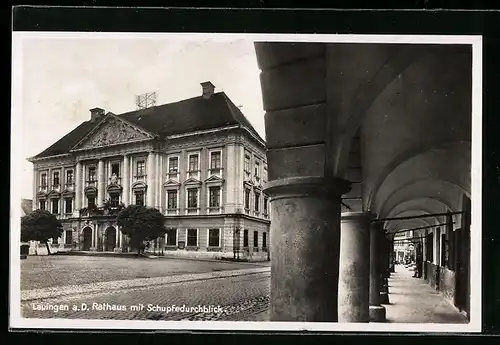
377, 312
126, 180
354, 272
78, 189
100, 184
305, 242
150, 180
384, 269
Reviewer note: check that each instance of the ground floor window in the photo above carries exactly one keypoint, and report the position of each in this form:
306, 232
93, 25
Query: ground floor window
213, 237
192, 237
255, 239
264, 240
171, 237
69, 237
139, 198
245, 238
42, 205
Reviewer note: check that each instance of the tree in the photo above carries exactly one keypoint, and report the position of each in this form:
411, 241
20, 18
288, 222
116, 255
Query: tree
40, 225
141, 223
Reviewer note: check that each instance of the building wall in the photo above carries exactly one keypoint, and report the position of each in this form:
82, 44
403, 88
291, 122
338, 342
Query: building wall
231, 178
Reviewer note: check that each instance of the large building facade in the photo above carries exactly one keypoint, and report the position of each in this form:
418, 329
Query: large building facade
199, 161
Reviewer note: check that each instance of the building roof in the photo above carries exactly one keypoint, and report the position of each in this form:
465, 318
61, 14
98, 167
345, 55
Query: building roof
190, 115
26, 206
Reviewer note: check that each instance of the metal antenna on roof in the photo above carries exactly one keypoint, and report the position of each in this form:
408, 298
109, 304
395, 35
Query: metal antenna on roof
146, 100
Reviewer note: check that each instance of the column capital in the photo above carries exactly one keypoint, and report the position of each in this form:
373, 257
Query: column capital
357, 216
307, 186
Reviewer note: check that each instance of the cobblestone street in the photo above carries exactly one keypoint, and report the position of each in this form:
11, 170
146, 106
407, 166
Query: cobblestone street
241, 293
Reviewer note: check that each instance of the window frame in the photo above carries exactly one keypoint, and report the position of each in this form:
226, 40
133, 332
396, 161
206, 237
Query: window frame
219, 236
197, 237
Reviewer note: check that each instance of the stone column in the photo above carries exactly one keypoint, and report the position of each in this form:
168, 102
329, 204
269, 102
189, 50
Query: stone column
78, 189
377, 311
384, 269
305, 242
100, 184
126, 180
354, 272
150, 180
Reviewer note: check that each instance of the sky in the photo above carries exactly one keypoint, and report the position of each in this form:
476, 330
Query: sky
62, 78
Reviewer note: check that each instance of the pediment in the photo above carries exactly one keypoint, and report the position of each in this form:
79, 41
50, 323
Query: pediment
192, 181
249, 183
214, 179
41, 195
54, 194
112, 130
171, 183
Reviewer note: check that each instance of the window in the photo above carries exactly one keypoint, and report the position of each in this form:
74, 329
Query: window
68, 205
43, 180
192, 197
264, 175
430, 248
265, 204
69, 176
92, 174
55, 178
257, 170
171, 237
245, 238
247, 163
91, 202
114, 198
264, 240
193, 163
141, 168
213, 237
69, 237
247, 199
115, 169
215, 160
139, 198
256, 239
192, 237
55, 206
257, 200
172, 199
444, 251
214, 196
173, 165
42, 205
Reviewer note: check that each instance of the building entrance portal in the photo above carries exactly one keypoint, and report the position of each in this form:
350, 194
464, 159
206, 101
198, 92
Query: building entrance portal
87, 239
110, 243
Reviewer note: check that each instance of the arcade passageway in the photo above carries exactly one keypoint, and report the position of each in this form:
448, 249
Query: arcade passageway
368, 149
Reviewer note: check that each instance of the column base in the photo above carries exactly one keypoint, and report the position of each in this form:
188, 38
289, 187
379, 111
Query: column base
377, 313
93, 249
384, 298
117, 250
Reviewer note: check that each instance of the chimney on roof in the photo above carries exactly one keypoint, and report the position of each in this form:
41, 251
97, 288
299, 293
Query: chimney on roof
96, 114
208, 89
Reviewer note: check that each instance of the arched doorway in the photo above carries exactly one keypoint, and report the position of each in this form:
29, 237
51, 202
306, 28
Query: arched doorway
110, 242
87, 239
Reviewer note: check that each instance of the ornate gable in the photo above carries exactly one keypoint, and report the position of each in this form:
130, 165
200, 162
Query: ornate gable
112, 131
214, 179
